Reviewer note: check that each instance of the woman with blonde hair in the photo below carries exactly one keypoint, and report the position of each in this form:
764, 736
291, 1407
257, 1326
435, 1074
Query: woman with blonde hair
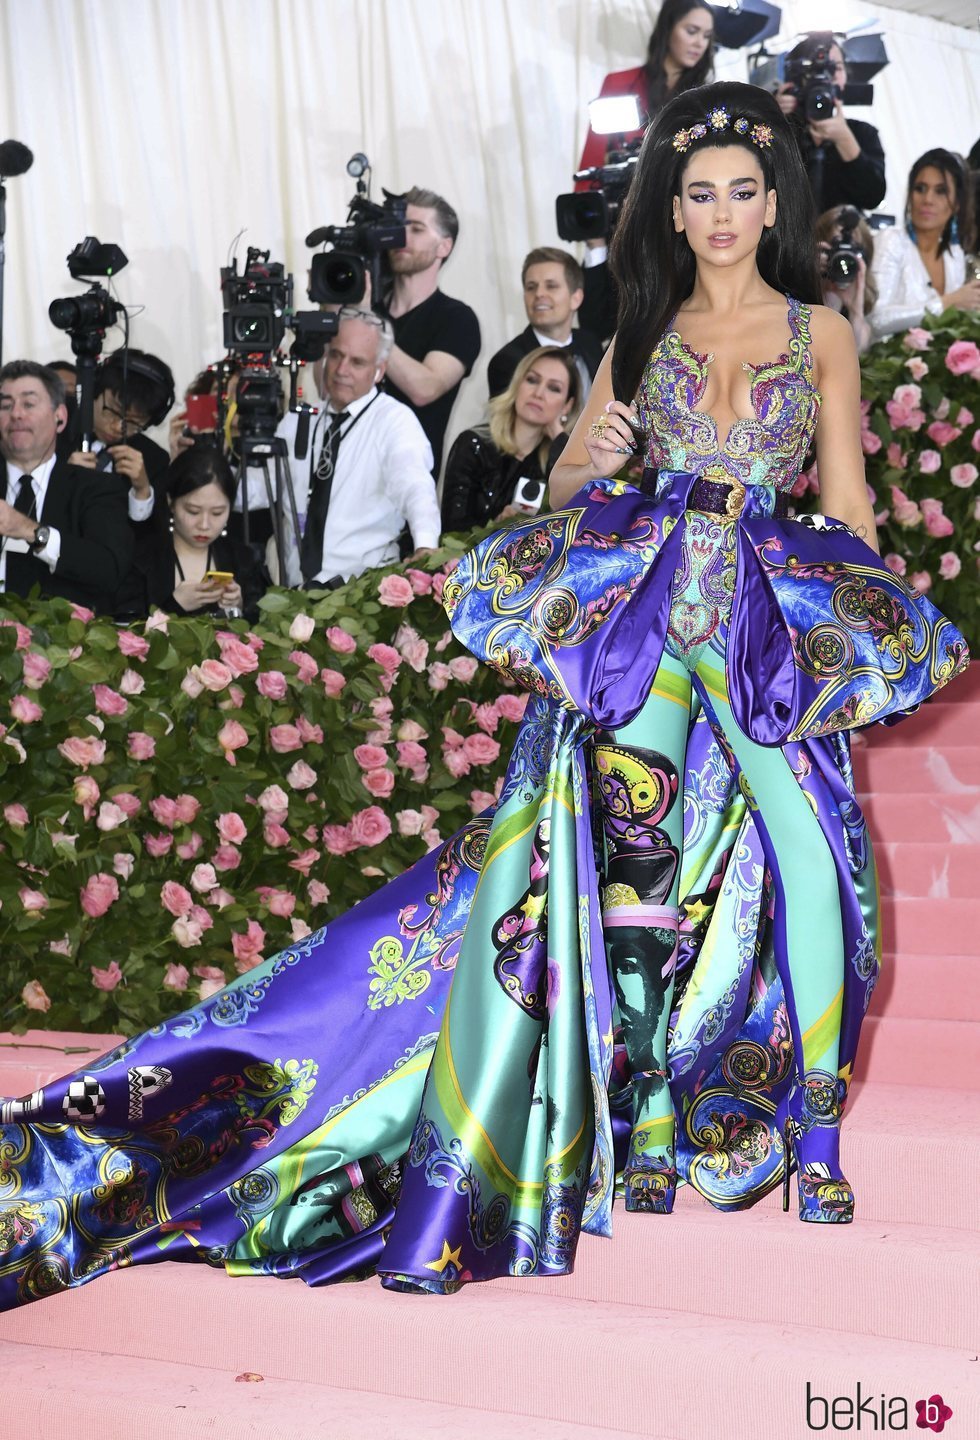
485, 464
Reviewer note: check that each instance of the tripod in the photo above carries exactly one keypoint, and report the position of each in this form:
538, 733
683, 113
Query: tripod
259, 451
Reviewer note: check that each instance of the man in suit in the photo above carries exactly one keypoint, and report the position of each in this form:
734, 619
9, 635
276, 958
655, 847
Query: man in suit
61, 528
553, 289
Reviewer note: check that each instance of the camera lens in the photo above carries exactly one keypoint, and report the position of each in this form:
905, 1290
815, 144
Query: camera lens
63, 313
253, 329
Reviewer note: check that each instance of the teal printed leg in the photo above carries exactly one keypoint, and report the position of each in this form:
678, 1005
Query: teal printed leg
640, 770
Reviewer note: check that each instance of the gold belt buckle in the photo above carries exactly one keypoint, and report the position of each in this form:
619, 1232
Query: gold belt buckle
735, 503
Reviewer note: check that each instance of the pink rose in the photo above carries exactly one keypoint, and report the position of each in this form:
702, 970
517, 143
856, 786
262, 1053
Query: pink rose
370, 826
920, 580
409, 822
942, 432
203, 879
870, 444
420, 582
305, 664
231, 828
34, 997
963, 475
382, 707
122, 865
207, 988
302, 628
210, 972
309, 733
132, 646
157, 845
333, 683
456, 763
175, 898
907, 513
24, 711
917, 368
231, 737
140, 746
439, 675
412, 730
936, 522
386, 656
480, 749
130, 803
132, 683
248, 947
273, 797
413, 649
396, 591
214, 675
410, 754
964, 417
975, 442
33, 901
187, 809
896, 456
98, 893
930, 461
85, 792
106, 979
431, 838
191, 684
61, 947
370, 757
305, 861
36, 670
164, 811
317, 892
221, 899
962, 357
917, 339
464, 668
175, 977
338, 839
481, 800
271, 684
239, 658
109, 701
110, 816
512, 707
226, 857
284, 738
341, 641
82, 750
278, 902
378, 783
188, 848
429, 816
487, 717
300, 776
187, 931
950, 565
274, 835
16, 815
298, 930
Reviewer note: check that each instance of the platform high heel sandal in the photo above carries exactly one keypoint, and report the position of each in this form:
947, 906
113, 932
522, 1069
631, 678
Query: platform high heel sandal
650, 1173
811, 1136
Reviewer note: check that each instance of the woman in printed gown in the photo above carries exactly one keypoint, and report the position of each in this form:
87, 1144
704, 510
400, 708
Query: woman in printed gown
653, 957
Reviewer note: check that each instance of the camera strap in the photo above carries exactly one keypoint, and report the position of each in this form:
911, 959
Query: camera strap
314, 458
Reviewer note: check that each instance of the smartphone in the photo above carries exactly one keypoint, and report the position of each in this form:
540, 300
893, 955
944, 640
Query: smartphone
220, 578
202, 412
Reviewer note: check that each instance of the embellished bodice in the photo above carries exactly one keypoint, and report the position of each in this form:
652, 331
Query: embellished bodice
767, 448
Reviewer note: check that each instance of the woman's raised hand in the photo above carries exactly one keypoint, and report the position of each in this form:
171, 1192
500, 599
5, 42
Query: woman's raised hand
609, 439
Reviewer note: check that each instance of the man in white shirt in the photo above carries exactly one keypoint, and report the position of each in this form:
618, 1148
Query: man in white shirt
368, 471
61, 528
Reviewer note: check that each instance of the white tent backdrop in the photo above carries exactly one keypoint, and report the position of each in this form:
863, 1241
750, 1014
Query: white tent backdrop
170, 125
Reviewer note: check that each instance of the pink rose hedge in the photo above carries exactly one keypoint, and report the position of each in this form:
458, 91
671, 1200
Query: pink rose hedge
921, 442
181, 801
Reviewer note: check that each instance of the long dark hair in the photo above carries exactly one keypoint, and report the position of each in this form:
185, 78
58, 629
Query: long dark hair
654, 265
671, 13
953, 170
200, 465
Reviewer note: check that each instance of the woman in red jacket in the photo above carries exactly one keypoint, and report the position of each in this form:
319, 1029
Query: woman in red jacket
679, 56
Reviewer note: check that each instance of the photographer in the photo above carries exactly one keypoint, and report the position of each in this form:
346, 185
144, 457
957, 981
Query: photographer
437, 339
553, 290
62, 529
369, 468
133, 390
844, 158
486, 464
845, 247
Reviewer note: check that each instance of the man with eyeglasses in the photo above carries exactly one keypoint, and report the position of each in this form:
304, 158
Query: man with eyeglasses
61, 529
133, 391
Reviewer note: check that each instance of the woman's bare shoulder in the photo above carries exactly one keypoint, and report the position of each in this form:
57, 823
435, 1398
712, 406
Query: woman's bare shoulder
831, 338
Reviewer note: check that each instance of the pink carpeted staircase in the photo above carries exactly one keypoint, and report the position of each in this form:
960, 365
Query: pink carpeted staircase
700, 1325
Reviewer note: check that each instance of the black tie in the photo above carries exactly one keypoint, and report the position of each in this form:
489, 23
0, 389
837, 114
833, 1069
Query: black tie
311, 549
26, 499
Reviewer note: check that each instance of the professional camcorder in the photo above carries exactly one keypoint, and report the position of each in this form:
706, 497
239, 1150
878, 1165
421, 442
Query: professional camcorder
337, 276
591, 214
810, 74
86, 318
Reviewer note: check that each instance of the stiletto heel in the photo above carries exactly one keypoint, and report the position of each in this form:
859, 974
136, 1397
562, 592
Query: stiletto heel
650, 1180
825, 1197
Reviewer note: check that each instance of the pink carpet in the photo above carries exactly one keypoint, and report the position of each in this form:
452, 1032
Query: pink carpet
698, 1327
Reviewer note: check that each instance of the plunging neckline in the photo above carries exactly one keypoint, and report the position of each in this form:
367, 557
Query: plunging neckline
704, 359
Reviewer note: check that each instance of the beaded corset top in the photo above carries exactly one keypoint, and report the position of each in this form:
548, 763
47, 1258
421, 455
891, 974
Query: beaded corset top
767, 448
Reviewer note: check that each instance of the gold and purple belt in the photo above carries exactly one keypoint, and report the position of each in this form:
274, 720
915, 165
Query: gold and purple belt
717, 497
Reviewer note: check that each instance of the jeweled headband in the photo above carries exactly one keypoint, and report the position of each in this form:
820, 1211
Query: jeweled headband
718, 120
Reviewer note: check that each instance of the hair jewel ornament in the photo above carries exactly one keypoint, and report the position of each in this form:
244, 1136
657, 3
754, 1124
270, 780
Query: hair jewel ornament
718, 120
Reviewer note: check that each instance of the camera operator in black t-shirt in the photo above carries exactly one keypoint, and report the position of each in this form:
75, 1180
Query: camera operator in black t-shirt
437, 339
844, 158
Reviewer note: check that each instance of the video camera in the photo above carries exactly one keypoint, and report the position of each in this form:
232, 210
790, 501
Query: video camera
86, 318
592, 214
338, 275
